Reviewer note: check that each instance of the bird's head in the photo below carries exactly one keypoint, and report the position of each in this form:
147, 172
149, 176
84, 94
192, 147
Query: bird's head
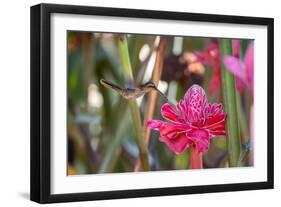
149, 86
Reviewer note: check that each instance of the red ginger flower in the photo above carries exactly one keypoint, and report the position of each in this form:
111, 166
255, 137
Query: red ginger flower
194, 121
211, 56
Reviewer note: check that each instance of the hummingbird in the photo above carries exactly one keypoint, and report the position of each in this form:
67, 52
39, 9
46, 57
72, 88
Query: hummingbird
132, 93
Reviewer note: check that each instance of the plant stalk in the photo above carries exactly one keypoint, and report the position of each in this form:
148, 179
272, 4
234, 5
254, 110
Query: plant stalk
135, 113
156, 75
229, 99
196, 158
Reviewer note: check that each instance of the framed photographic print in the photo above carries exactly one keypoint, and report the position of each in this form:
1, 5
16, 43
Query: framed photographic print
132, 103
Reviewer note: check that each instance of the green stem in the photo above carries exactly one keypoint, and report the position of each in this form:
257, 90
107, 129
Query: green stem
243, 121
114, 149
229, 99
135, 113
243, 124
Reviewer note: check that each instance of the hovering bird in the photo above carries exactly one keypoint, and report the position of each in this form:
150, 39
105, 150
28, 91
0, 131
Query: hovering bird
132, 93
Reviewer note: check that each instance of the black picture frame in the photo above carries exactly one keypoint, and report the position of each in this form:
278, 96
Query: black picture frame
41, 107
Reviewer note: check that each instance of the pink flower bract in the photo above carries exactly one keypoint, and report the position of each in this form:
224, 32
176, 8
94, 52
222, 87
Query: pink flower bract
243, 70
194, 121
211, 56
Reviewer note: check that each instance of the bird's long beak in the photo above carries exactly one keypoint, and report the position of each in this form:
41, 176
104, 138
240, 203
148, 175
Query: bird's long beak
162, 94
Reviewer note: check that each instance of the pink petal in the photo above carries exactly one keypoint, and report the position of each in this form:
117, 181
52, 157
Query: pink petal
200, 138
213, 54
196, 102
235, 66
200, 57
215, 83
217, 133
215, 125
214, 108
212, 120
155, 124
249, 64
178, 144
236, 48
172, 130
182, 108
168, 112
240, 85
169, 130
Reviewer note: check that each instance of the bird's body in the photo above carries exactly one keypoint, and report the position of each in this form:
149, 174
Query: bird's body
130, 93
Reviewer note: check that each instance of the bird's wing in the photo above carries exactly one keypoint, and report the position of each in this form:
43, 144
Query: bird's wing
111, 86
